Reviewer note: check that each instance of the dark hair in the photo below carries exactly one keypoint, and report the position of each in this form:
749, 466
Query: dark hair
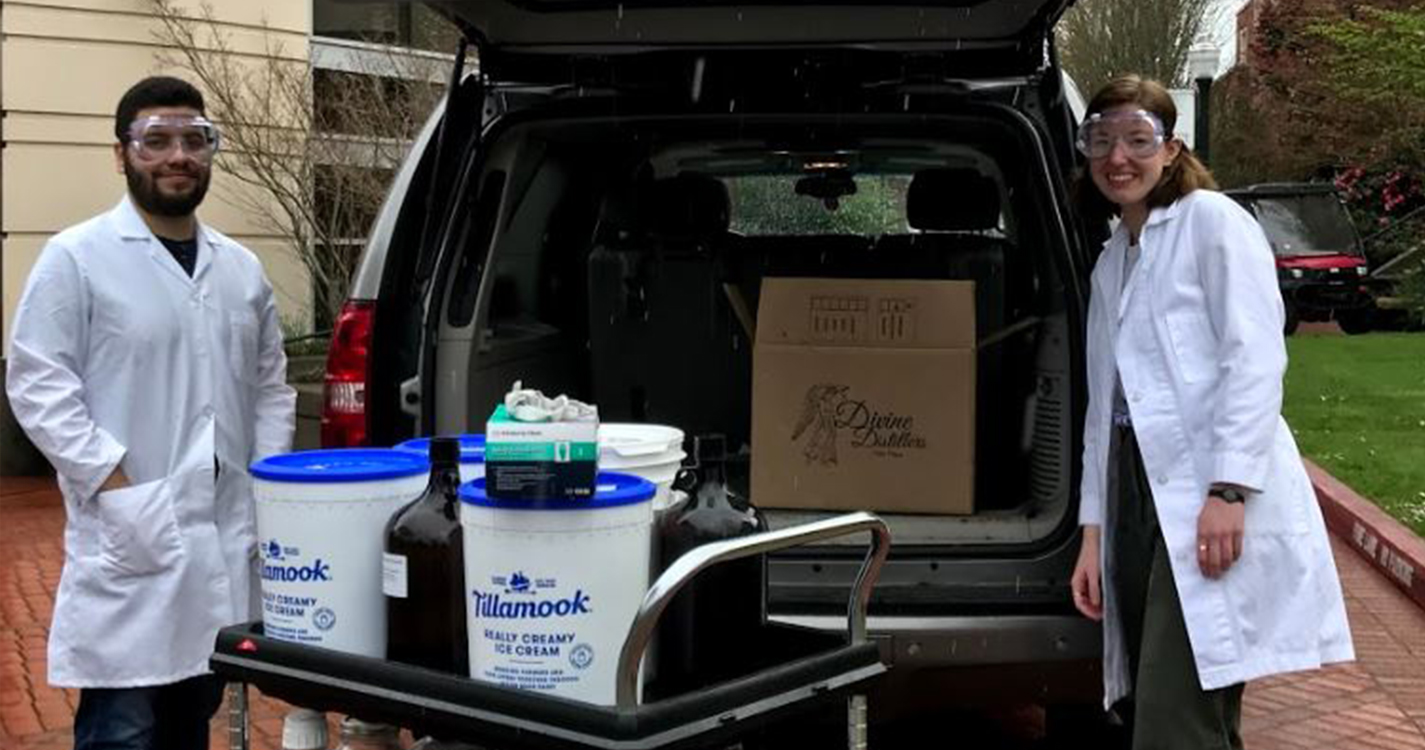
1185, 174
154, 91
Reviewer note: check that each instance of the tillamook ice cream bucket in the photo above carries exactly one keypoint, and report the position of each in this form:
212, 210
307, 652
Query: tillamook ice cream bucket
553, 586
321, 516
472, 454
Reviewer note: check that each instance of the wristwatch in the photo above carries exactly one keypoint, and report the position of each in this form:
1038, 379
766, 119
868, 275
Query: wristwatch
1227, 494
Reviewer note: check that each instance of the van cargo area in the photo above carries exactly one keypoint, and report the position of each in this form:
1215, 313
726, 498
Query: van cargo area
635, 203
630, 275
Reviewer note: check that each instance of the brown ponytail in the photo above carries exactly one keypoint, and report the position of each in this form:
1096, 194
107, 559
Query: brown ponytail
1185, 174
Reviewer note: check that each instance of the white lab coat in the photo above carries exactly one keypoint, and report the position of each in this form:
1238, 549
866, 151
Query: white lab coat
1199, 348
119, 358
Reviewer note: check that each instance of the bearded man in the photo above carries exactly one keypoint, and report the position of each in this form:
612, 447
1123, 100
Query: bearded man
146, 364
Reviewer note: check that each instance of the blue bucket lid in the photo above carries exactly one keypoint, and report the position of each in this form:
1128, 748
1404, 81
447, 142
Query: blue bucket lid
340, 465
610, 491
472, 448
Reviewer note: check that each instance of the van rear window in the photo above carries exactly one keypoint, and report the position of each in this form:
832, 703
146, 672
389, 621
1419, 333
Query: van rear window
764, 205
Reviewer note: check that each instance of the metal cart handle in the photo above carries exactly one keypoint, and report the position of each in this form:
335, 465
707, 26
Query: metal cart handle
700, 558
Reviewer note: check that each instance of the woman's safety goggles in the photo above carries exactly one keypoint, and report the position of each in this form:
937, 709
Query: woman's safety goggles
1141, 132
155, 138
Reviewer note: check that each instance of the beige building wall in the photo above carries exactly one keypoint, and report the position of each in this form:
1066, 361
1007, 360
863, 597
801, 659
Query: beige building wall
63, 66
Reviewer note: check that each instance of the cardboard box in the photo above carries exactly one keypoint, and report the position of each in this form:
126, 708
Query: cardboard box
863, 395
540, 460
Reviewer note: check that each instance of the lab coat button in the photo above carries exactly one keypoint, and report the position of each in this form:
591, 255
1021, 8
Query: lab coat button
1136, 397
1162, 479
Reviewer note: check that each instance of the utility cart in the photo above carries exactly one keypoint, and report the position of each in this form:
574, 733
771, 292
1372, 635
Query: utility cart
799, 670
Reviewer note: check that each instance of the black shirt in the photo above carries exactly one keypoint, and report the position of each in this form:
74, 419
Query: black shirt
183, 251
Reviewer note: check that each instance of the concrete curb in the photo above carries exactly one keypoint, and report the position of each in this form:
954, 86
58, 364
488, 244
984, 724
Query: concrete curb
1386, 544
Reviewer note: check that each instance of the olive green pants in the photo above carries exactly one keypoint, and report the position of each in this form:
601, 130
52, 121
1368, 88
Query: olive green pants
1168, 709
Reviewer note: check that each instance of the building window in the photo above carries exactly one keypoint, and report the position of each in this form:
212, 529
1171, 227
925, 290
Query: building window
398, 24
344, 104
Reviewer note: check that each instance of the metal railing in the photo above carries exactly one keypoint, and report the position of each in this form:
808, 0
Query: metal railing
700, 558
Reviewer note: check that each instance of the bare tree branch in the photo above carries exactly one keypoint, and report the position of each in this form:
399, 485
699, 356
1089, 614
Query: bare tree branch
312, 149
1102, 39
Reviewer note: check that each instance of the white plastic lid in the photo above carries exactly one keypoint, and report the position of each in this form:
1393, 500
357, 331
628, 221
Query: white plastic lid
631, 441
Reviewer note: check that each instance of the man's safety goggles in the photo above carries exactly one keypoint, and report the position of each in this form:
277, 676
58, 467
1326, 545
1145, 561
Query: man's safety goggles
155, 138
1141, 132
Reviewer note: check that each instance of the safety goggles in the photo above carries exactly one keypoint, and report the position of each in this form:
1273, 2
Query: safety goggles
1141, 132
154, 138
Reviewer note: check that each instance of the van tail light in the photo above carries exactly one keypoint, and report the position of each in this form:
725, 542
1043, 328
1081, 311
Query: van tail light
348, 364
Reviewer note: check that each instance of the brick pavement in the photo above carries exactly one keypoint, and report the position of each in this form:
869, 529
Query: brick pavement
1376, 702
34, 716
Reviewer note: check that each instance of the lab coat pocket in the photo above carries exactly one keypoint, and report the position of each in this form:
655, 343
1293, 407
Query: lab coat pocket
242, 344
1280, 509
1194, 344
139, 529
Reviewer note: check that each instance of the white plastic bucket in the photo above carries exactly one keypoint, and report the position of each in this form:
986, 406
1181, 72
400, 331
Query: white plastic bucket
321, 518
553, 586
652, 451
472, 454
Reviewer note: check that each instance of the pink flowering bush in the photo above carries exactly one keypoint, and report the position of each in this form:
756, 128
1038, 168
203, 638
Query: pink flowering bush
1389, 191
1381, 198
1388, 206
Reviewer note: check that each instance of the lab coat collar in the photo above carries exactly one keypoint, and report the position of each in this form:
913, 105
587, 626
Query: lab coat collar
1155, 216
1131, 284
1119, 238
1164, 213
1120, 291
1118, 241
131, 226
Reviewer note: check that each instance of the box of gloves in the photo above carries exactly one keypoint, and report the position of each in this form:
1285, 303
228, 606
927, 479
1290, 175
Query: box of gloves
541, 448
863, 395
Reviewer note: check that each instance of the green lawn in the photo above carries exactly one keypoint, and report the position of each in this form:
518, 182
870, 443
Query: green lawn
1357, 407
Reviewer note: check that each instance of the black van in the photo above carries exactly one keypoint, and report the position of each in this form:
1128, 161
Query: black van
577, 213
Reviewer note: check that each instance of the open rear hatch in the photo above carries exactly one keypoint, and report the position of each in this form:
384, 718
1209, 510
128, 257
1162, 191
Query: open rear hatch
634, 25
630, 65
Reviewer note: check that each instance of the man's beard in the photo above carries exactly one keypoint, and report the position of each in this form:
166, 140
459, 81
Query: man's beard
144, 188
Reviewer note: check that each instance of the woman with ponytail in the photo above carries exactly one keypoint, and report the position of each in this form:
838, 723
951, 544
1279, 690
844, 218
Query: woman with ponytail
1204, 552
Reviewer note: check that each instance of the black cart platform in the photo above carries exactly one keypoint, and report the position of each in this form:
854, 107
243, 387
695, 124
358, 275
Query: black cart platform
804, 669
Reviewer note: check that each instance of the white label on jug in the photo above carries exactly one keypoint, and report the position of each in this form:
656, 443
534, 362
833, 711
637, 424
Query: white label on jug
529, 632
293, 617
393, 575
